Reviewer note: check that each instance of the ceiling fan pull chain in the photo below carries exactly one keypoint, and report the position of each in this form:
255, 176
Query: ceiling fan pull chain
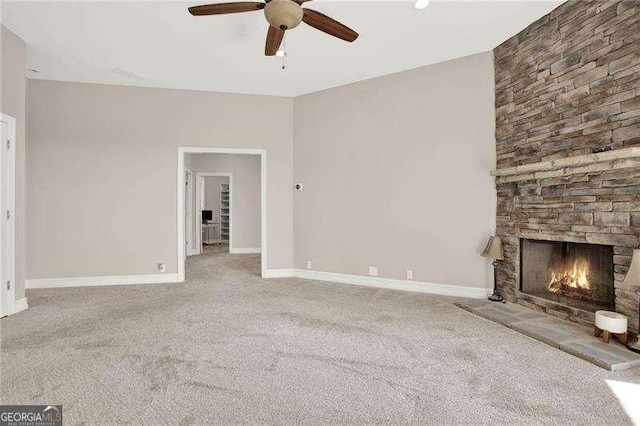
284, 50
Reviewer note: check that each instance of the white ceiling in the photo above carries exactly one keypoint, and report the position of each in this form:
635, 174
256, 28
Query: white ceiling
84, 40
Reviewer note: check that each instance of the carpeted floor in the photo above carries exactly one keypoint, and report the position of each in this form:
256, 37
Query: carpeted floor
227, 346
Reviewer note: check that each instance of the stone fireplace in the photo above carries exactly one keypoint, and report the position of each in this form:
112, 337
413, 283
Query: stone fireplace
571, 274
568, 159
555, 216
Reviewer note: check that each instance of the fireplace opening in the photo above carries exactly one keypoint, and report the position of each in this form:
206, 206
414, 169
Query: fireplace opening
573, 274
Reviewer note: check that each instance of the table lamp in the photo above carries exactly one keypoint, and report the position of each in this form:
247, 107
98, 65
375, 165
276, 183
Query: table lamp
493, 251
633, 278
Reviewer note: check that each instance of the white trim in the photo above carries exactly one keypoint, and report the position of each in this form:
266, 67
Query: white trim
378, 282
100, 281
279, 273
19, 305
189, 214
182, 151
231, 198
245, 250
263, 211
10, 274
182, 256
200, 196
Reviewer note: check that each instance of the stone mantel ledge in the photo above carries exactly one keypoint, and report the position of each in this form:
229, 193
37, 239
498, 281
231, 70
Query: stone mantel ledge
610, 160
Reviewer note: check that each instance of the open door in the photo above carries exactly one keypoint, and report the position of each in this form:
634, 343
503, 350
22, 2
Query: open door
7, 220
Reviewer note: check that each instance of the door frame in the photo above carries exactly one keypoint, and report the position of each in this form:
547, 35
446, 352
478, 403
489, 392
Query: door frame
199, 207
182, 152
188, 212
8, 235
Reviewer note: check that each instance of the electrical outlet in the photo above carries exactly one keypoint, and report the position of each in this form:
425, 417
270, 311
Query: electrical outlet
373, 271
409, 274
160, 267
308, 264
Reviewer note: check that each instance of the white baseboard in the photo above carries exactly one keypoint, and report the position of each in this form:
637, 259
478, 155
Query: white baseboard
19, 305
241, 250
104, 280
278, 273
379, 282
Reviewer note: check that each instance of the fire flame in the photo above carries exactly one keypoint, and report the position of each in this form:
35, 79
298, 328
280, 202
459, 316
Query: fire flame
575, 276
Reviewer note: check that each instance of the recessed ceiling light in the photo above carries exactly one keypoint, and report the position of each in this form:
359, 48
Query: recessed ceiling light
421, 4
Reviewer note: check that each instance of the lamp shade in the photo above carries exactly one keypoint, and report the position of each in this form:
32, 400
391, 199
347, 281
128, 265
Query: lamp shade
633, 276
493, 250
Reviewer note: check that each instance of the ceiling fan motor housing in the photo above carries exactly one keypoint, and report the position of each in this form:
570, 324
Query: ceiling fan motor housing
285, 14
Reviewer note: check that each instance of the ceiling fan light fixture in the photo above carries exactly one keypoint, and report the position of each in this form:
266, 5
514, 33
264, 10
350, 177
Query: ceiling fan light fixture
283, 14
421, 4
281, 53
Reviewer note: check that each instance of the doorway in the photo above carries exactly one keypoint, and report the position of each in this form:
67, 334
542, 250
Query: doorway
214, 201
260, 157
7, 209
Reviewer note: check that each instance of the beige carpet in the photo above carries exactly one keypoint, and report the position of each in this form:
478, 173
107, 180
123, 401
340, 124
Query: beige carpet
227, 346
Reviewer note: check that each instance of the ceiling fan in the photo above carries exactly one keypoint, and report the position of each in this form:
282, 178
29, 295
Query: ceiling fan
282, 15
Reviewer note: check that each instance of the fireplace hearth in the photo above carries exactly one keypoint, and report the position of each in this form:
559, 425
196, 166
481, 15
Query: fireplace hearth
577, 275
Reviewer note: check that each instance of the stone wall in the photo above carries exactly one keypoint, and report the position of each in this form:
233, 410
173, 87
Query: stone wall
566, 86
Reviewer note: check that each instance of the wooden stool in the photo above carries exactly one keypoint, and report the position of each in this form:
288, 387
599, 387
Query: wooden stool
611, 324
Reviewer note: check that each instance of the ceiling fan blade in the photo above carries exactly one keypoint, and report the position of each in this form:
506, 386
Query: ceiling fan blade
328, 25
224, 8
274, 38
301, 1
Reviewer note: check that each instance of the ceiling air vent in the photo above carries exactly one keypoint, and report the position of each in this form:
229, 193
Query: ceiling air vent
128, 73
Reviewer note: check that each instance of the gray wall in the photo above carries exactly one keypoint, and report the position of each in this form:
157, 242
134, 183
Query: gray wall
13, 100
396, 174
246, 192
102, 172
